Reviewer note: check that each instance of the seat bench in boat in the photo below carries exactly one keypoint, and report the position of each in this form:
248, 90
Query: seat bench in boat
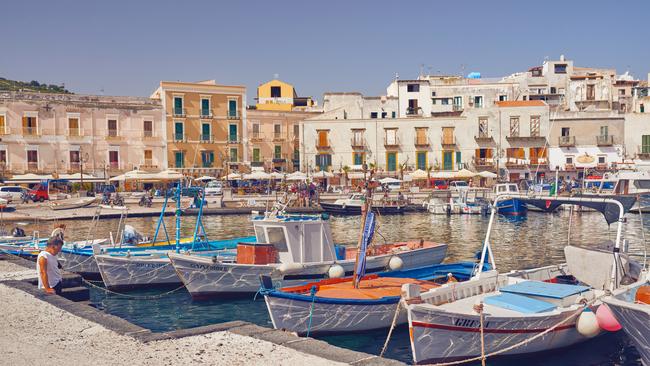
519, 303
555, 293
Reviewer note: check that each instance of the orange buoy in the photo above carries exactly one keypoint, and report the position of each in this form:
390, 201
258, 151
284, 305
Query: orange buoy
643, 294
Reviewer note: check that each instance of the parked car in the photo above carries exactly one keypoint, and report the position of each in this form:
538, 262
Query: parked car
459, 185
214, 188
39, 193
439, 184
12, 193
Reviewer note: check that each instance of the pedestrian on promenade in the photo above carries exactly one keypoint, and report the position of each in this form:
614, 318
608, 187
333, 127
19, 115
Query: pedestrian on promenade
48, 268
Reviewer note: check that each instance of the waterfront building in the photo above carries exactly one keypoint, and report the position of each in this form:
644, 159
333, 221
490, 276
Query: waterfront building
64, 133
277, 95
205, 125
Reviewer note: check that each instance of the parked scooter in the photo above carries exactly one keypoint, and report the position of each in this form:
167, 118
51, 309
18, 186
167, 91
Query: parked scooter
145, 201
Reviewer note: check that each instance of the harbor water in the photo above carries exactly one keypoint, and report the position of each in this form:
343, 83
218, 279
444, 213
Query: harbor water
518, 243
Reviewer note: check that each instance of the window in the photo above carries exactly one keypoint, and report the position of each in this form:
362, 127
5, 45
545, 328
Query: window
276, 92
179, 159
234, 155
553, 90
205, 107
277, 152
277, 129
413, 107
232, 133
641, 108
560, 68
421, 136
621, 92
148, 157
32, 159
112, 127
256, 131
3, 157
178, 106
536, 72
566, 131
391, 161
569, 160
413, 88
483, 131
391, 137
591, 92
645, 144
604, 131
478, 102
148, 128
256, 154
602, 160
114, 159
178, 131
358, 158
73, 126
448, 136
534, 126
433, 94
384, 114
393, 113
458, 102
503, 98
74, 159
232, 108
323, 161
277, 238
296, 155
537, 155
373, 114
459, 161
296, 131
447, 160
3, 124
514, 126
30, 126
323, 138
421, 159
207, 158
205, 132
444, 101
357, 138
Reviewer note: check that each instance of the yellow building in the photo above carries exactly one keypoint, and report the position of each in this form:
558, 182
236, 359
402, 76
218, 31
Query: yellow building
205, 126
276, 95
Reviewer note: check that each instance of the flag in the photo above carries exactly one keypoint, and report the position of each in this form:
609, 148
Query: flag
368, 232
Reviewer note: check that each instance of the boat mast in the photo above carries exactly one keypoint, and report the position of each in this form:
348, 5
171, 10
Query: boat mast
365, 208
487, 249
178, 216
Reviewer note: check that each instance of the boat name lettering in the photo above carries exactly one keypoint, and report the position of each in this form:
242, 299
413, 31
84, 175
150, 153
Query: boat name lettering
469, 323
150, 265
207, 267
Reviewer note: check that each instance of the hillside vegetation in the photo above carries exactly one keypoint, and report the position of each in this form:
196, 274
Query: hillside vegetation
34, 86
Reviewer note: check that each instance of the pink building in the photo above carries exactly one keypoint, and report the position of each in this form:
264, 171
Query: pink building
44, 133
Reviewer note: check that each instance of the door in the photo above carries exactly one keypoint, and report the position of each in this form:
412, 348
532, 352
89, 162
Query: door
391, 161
178, 131
232, 108
232, 133
205, 132
422, 160
447, 160
178, 159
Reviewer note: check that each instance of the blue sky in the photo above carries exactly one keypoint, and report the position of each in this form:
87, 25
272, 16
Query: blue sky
127, 47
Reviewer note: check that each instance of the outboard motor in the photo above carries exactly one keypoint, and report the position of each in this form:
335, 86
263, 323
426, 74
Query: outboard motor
131, 236
18, 232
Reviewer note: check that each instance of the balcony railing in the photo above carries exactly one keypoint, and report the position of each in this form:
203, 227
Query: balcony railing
484, 163
179, 137
30, 131
148, 164
233, 139
413, 111
602, 166
569, 167
643, 152
232, 114
565, 141
206, 113
421, 141
75, 132
147, 134
358, 142
448, 141
206, 137
391, 142
112, 134
605, 140
256, 136
483, 138
277, 136
32, 166
323, 144
179, 112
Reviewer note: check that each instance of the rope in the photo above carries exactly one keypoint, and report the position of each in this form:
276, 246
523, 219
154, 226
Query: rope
311, 309
132, 297
392, 326
522, 343
645, 244
80, 263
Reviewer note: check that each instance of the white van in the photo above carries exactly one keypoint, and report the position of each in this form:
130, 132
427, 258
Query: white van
214, 188
12, 193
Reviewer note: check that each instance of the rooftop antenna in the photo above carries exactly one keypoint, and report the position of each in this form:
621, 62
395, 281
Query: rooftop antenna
276, 76
396, 76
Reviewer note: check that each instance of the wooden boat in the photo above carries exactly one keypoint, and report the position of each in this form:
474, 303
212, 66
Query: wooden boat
71, 203
352, 206
445, 322
511, 206
293, 249
335, 306
633, 315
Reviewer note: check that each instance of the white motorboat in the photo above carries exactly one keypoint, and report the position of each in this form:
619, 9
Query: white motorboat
293, 249
519, 312
72, 203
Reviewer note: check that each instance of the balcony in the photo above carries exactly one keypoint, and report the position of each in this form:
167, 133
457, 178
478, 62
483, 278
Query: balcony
457, 108
569, 167
421, 141
538, 163
448, 142
358, 142
484, 164
567, 141
75, 132
515, 163
30, 131
323, 144
33, 166
233, 139
413, 111
256, 137
179, 137
232, 114
643, 152
148, 134
516, 141
484, 138
206, 114
148, 164
602, 166
279, 159
257, 163
113, 135
179, 112
74, 167
605, 140
206, 137
391, 142
278, 137
114, 165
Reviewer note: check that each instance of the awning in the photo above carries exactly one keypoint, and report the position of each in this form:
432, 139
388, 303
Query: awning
608, 209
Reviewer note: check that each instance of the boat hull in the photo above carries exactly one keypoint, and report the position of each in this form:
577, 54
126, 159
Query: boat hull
123, 273
635, 320
438, 335
512, 207
204, 278
356, 210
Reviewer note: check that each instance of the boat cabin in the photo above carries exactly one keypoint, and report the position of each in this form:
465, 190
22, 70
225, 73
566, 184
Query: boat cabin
295, 238
506, 188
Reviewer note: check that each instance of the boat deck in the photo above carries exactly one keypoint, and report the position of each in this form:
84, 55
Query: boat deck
370, 289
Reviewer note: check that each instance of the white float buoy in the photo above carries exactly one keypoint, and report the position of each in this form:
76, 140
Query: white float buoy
395, 263
587, 324
336, 271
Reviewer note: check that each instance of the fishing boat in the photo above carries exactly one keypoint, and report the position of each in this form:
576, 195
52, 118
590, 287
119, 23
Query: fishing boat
293, 249
630, 306
520, 312
621, 183
352, 204
71, 203
511, 206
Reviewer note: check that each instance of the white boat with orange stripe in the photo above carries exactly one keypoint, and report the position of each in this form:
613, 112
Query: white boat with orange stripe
524, 311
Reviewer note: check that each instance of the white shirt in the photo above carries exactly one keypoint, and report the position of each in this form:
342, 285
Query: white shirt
53, 271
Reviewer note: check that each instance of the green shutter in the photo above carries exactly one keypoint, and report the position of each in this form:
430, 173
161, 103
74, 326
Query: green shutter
278, 152
179, 159
205, 131
459, 161
256, 155
645, 144
233, 154
392, 162
447, 160
232, 133
232, 108
422, 160
178, 103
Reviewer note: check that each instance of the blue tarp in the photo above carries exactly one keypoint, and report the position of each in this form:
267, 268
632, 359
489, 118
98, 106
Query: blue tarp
368, 232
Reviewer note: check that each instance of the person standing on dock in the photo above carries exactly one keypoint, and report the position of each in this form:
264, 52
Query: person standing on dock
48, 269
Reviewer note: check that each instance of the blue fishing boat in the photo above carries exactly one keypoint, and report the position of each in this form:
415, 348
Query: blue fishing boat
510, 206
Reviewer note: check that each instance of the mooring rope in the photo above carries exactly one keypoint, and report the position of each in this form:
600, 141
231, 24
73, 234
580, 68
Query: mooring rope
133, 297
392, 326
311, 308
